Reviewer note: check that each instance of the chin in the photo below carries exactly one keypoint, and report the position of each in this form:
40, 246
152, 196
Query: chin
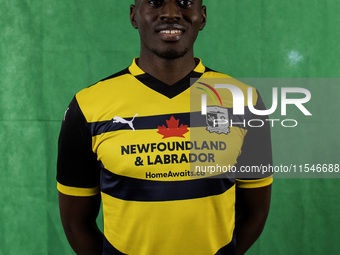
171, 53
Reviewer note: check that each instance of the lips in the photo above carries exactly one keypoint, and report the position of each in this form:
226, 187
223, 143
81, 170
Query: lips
170, 32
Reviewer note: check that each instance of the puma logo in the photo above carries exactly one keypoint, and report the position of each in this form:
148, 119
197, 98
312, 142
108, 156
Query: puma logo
117, 119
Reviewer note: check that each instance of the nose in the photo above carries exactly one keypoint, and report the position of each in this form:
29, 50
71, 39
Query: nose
170, 10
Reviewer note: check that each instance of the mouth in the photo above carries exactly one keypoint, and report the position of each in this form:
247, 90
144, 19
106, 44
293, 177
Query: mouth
171, 33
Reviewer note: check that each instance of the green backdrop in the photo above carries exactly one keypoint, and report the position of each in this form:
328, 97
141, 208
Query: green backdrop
49, 50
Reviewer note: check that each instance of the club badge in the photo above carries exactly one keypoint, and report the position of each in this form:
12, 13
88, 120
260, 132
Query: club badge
217, 119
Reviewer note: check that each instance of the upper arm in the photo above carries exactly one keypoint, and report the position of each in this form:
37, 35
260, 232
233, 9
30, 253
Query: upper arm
78, 216
252, 208
256, 154
76, 210
78, 177
253, 190
254, 201
78, 171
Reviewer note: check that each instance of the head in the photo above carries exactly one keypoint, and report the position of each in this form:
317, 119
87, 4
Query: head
168, 28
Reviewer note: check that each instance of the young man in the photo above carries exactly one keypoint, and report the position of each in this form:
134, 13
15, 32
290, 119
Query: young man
126, 140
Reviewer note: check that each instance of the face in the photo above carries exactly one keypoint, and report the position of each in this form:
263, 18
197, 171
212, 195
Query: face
168, 28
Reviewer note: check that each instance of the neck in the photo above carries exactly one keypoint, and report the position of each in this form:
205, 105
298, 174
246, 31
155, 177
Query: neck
168, 71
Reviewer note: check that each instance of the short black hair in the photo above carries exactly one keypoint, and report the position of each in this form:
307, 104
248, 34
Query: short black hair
138, 0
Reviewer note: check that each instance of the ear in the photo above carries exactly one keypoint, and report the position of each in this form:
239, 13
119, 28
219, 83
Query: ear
133, 16
203, 17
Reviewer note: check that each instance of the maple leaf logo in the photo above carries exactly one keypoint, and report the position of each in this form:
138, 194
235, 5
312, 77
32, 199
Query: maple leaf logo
173, 130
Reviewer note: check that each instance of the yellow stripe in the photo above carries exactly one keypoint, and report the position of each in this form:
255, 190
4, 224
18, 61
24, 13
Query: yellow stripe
200, 68
254, 183
134, 68
78, 192
196, 226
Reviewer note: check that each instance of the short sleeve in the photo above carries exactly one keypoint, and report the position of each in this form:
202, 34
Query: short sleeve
78, 171
255, 162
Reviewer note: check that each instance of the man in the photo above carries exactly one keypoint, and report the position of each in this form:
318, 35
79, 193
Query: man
126, 140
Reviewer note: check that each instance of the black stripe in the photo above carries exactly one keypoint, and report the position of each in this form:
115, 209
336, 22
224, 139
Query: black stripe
194, 119
169, 91
139, 123
125, 71
229, 249
132, 189
207, 69
108, 248
77, 165
199, 120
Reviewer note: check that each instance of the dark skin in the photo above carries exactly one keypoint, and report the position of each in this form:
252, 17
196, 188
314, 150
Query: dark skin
168, 30
78, 216
168, 58
252, 208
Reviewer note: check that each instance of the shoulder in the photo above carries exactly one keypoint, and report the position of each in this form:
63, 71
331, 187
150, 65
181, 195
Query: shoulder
102, 86
210, 73
97, 98
232, 84
106, 89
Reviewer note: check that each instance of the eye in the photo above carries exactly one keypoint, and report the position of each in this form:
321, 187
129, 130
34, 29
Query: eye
184, 3
156, 3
